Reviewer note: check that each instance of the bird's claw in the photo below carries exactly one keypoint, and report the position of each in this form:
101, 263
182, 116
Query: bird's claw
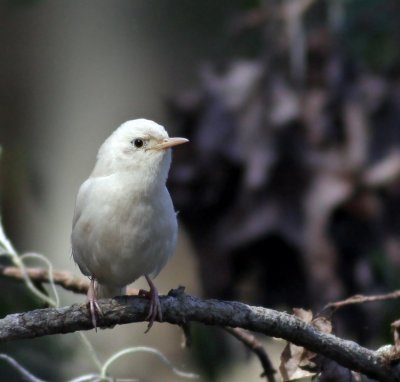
93, 305
94, 309
155, 311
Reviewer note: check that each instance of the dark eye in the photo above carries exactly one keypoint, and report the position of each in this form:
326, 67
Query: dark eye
138, 142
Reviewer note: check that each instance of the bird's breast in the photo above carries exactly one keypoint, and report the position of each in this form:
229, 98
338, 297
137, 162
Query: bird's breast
124, 232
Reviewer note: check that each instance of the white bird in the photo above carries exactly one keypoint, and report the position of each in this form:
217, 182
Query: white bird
124, 224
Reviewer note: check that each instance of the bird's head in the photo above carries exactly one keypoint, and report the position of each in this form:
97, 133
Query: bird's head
139, 146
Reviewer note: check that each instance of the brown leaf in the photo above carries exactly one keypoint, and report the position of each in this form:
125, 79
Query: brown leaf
322, 324
304, 315
291, 358
296, 361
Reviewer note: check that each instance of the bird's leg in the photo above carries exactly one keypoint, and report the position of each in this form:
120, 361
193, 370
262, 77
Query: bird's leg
92, 303
155, 305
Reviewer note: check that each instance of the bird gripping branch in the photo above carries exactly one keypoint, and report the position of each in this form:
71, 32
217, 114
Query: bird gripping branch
124, 224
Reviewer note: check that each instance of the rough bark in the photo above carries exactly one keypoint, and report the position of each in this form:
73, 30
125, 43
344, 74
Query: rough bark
179, 308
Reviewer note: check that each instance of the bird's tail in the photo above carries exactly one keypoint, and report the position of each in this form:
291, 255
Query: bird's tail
108, 291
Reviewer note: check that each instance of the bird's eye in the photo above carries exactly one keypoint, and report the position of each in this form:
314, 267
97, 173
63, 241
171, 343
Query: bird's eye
138, 143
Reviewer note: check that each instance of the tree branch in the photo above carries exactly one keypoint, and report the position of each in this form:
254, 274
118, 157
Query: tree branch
76, 284
65, 279
178, 308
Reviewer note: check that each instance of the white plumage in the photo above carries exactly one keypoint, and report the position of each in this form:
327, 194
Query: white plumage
124, 224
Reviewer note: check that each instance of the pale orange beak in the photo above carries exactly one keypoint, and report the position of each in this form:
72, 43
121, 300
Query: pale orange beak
169, 142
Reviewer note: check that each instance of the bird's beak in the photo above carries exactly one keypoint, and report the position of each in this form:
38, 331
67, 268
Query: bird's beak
170, 142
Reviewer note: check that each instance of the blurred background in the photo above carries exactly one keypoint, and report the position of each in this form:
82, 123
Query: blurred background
288, 195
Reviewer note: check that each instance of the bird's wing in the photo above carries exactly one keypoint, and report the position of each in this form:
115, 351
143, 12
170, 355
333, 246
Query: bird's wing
82, 199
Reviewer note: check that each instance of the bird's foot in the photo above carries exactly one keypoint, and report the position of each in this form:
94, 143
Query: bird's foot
94, 307
155, 311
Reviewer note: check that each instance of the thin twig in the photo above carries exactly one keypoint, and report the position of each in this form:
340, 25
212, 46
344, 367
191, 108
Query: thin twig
256, 347
186, 335
26, 375
64, 279
145, 349
361, 299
